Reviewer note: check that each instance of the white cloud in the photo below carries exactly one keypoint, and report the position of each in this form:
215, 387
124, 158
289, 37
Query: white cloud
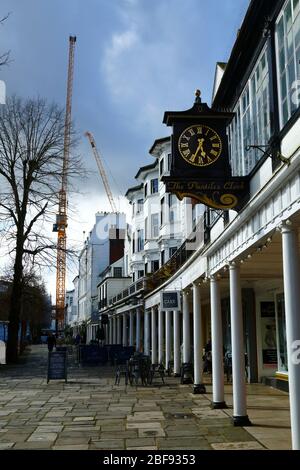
122, 42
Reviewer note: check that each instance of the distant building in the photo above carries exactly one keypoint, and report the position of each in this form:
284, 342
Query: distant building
104, 245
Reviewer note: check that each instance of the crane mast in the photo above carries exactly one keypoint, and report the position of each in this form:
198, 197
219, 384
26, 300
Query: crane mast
61, 217
89, 135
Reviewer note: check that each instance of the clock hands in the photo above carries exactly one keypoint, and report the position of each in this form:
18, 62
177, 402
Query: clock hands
200, 147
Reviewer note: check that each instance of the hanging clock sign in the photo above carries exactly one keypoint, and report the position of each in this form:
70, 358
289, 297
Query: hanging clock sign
200, 165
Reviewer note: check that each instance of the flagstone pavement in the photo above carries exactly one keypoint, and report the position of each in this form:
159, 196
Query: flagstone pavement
90, 412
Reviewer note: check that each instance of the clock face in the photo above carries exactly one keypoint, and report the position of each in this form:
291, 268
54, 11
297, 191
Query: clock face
200, 145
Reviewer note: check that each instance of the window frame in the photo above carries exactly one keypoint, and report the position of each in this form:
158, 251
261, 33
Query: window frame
279, 75
154, 185
246, 108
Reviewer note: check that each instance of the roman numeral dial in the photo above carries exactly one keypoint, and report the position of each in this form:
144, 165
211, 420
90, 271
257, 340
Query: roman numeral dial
200, 145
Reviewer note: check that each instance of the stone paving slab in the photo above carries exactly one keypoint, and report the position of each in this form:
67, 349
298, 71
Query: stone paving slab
90, 412
251, 445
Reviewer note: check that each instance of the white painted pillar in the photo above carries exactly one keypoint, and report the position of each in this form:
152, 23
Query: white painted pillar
138, 329
124, 336
168, 338
176, 342
217, 345
114, 330
119, 331
153, 336
186, 328
198, 342
110, 330
240, 417
291, 278
160, 336
131, 321
147, 332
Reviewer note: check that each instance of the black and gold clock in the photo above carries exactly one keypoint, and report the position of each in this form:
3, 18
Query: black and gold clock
200, 145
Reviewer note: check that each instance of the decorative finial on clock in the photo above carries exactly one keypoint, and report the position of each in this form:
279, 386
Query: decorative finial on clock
198, 96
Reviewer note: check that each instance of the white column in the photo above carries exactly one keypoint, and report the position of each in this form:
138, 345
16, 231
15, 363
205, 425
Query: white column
153, 336
119, 334
131, 320
110, 330
168, 338
124, 336
198, 342
240, 417
217, 345
291, 278
160, 336
114, 330
138, 329
186, 328
147, 332
176, 342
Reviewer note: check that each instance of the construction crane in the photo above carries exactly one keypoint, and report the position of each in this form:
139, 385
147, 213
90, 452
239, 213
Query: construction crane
89, 135
61, 218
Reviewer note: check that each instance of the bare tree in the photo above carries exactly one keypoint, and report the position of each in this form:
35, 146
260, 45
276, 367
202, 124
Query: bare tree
31, 160
4, 57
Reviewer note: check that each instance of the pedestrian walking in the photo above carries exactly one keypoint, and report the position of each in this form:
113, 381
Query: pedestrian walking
51, 342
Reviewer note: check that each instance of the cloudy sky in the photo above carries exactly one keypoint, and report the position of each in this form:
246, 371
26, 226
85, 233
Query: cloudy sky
134, 59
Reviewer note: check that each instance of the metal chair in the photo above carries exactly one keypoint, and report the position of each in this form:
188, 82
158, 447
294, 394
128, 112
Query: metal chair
170, 369
187, 373
158, 370
122, 369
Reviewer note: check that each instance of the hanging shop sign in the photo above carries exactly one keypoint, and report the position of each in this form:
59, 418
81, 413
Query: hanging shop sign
200, 166
170, 300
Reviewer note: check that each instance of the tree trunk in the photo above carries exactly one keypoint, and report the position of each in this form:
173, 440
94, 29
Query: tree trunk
23, 335
15, 305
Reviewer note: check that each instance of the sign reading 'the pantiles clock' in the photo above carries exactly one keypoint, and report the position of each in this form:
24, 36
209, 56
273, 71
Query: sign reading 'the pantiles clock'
200, 159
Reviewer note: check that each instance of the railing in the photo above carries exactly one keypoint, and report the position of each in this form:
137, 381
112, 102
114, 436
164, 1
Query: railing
197, 238
134, 288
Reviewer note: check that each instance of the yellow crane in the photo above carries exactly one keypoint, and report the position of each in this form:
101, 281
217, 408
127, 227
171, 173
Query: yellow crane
101, 169
61, 217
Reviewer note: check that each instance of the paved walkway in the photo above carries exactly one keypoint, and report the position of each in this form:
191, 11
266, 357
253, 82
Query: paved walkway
90, 412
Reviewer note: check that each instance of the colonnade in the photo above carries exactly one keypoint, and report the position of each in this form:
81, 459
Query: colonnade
167, 334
